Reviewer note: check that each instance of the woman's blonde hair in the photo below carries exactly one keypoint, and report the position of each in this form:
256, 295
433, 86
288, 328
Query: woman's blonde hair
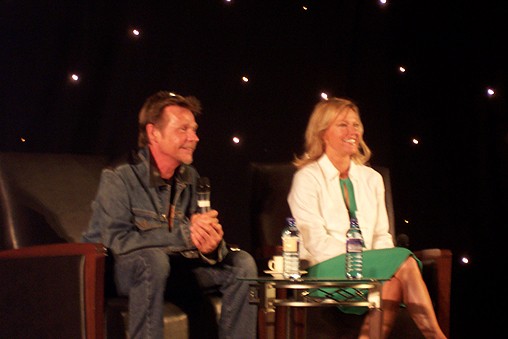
324, 114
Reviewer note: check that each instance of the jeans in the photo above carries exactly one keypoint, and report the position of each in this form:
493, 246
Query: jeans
147, 276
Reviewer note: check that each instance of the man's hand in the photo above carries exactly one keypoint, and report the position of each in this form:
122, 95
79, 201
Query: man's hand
206, 232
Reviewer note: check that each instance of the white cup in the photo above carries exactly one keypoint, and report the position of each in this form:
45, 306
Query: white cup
275, 264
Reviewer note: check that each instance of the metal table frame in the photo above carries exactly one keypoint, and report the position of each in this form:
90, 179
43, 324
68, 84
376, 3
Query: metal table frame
272, 293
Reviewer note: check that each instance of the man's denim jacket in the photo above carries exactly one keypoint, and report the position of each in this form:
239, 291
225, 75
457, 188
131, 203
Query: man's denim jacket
131, 210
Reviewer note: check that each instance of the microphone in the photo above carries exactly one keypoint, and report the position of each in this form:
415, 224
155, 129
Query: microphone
203, 190
403, 240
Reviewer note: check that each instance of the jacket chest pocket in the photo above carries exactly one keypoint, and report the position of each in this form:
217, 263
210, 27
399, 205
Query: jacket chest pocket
147, 220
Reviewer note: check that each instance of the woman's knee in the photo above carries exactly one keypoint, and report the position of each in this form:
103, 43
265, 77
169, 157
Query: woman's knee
412, 264
409, 267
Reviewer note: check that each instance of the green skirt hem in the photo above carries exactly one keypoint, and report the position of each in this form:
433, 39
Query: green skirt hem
377, 264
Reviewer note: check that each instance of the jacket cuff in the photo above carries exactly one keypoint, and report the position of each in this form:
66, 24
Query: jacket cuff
216, 256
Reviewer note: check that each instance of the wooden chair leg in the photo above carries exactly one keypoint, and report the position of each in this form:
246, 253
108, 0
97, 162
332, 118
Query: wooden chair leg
299, 322
266, 324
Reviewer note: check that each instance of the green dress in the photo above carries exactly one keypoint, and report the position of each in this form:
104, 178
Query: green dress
377, 264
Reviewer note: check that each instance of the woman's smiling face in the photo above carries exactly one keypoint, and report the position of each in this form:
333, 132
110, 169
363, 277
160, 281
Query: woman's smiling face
342, 138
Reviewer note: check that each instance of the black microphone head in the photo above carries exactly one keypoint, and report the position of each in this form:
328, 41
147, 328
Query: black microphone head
204, 184
403, 240
203, 190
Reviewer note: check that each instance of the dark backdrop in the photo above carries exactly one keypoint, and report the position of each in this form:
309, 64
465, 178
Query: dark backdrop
450, 187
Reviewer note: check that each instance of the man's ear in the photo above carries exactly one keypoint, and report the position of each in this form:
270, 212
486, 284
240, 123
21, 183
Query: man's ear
152, 132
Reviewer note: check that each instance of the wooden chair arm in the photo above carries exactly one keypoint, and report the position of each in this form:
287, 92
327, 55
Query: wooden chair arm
70, 265
441, 260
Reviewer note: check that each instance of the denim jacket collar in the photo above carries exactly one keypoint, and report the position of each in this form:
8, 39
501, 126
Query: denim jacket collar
182, 177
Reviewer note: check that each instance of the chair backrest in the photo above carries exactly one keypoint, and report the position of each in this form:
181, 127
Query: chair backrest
270, 184
46, 198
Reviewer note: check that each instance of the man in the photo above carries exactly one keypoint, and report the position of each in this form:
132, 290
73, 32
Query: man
146, 213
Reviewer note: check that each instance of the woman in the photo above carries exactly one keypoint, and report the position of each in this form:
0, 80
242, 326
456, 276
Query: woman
332, 182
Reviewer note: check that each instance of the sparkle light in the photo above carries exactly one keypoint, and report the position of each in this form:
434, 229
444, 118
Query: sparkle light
74, 77
465, 260
402, 69
236, 140
324, 95
490, 92
415, 141
135, 32
22, 139
245, 79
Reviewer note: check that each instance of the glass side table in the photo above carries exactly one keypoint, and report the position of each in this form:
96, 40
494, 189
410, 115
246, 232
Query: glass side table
280, 299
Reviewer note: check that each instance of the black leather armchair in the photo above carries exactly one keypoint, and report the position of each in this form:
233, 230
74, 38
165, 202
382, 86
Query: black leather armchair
52, 285
52, 291
270, 184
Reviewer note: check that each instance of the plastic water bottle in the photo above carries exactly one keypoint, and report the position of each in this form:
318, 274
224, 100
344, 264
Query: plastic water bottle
291, 250
354, 251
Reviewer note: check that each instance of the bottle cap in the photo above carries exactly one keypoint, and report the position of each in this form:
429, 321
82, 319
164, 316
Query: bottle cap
290, 221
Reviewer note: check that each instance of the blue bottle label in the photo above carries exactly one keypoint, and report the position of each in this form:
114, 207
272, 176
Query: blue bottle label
354, 245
